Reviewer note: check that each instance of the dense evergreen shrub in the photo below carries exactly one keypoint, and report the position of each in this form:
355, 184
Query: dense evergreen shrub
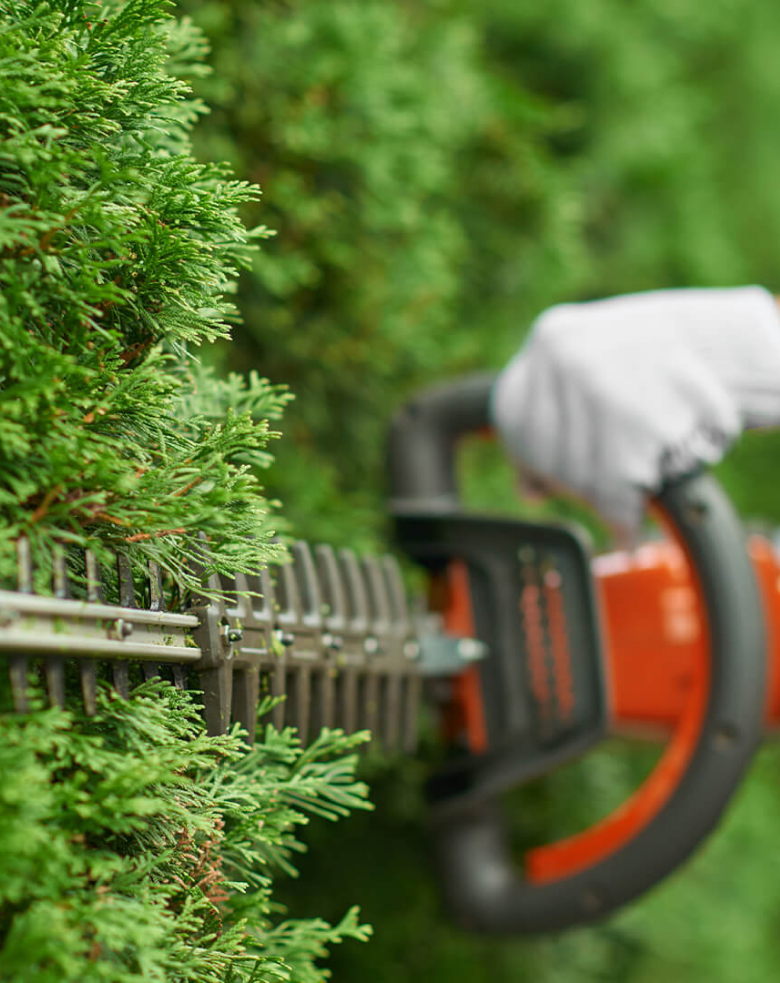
117, 250
133, 847
136, 848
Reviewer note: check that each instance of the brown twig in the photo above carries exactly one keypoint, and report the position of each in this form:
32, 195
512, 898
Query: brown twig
43, 508
131, 353
140, 536
187, 487
43, 245
109, 518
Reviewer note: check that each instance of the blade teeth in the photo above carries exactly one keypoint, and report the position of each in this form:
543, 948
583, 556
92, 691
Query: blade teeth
332, 587
179, 676
411, 705
320, 590
355, 590
54, 671
156, 595
88, 677
94, 585
392, 709
18, 673
121, 678
60, 574
126, 587
24, 565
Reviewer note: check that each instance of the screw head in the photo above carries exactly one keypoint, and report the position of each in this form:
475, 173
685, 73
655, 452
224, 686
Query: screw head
123, 628
471, 649
7, 617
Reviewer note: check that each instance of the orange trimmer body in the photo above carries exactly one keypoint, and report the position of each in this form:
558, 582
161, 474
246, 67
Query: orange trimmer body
655, 644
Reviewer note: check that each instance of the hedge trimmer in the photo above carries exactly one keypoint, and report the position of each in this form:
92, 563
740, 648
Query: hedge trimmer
531, 652
550, 687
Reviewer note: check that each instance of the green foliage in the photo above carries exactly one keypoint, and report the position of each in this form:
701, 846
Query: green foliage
714, 921
133, 846
420, 211
331, 107
439, 172
137, 848
117, 250
585, 149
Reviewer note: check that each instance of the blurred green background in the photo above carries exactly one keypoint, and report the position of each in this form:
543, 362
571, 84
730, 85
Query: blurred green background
438, 172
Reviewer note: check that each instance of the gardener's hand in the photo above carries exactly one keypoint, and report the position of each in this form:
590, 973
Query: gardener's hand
608, 399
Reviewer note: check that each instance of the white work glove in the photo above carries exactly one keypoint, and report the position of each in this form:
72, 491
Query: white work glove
610, 398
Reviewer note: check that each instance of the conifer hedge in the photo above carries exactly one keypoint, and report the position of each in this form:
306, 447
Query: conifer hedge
136, 848
438, 172
118, 250
133, 846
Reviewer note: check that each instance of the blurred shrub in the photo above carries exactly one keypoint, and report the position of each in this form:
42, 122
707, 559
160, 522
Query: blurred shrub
386, 151
438, 172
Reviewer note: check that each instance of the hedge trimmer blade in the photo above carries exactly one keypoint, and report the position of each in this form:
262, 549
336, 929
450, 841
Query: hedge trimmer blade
333, 639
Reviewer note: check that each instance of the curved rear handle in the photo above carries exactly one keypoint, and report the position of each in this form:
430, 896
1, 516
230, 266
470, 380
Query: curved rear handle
423, 439
587, 876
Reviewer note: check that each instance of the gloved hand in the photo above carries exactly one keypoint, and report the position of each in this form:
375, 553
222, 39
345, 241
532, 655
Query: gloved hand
608, 399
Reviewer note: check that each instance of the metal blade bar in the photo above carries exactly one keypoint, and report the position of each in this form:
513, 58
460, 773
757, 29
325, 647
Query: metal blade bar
331, 637
105, 648
68, 608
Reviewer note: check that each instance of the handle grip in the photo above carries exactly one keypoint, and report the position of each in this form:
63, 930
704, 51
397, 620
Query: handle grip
583, 878
423, 440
